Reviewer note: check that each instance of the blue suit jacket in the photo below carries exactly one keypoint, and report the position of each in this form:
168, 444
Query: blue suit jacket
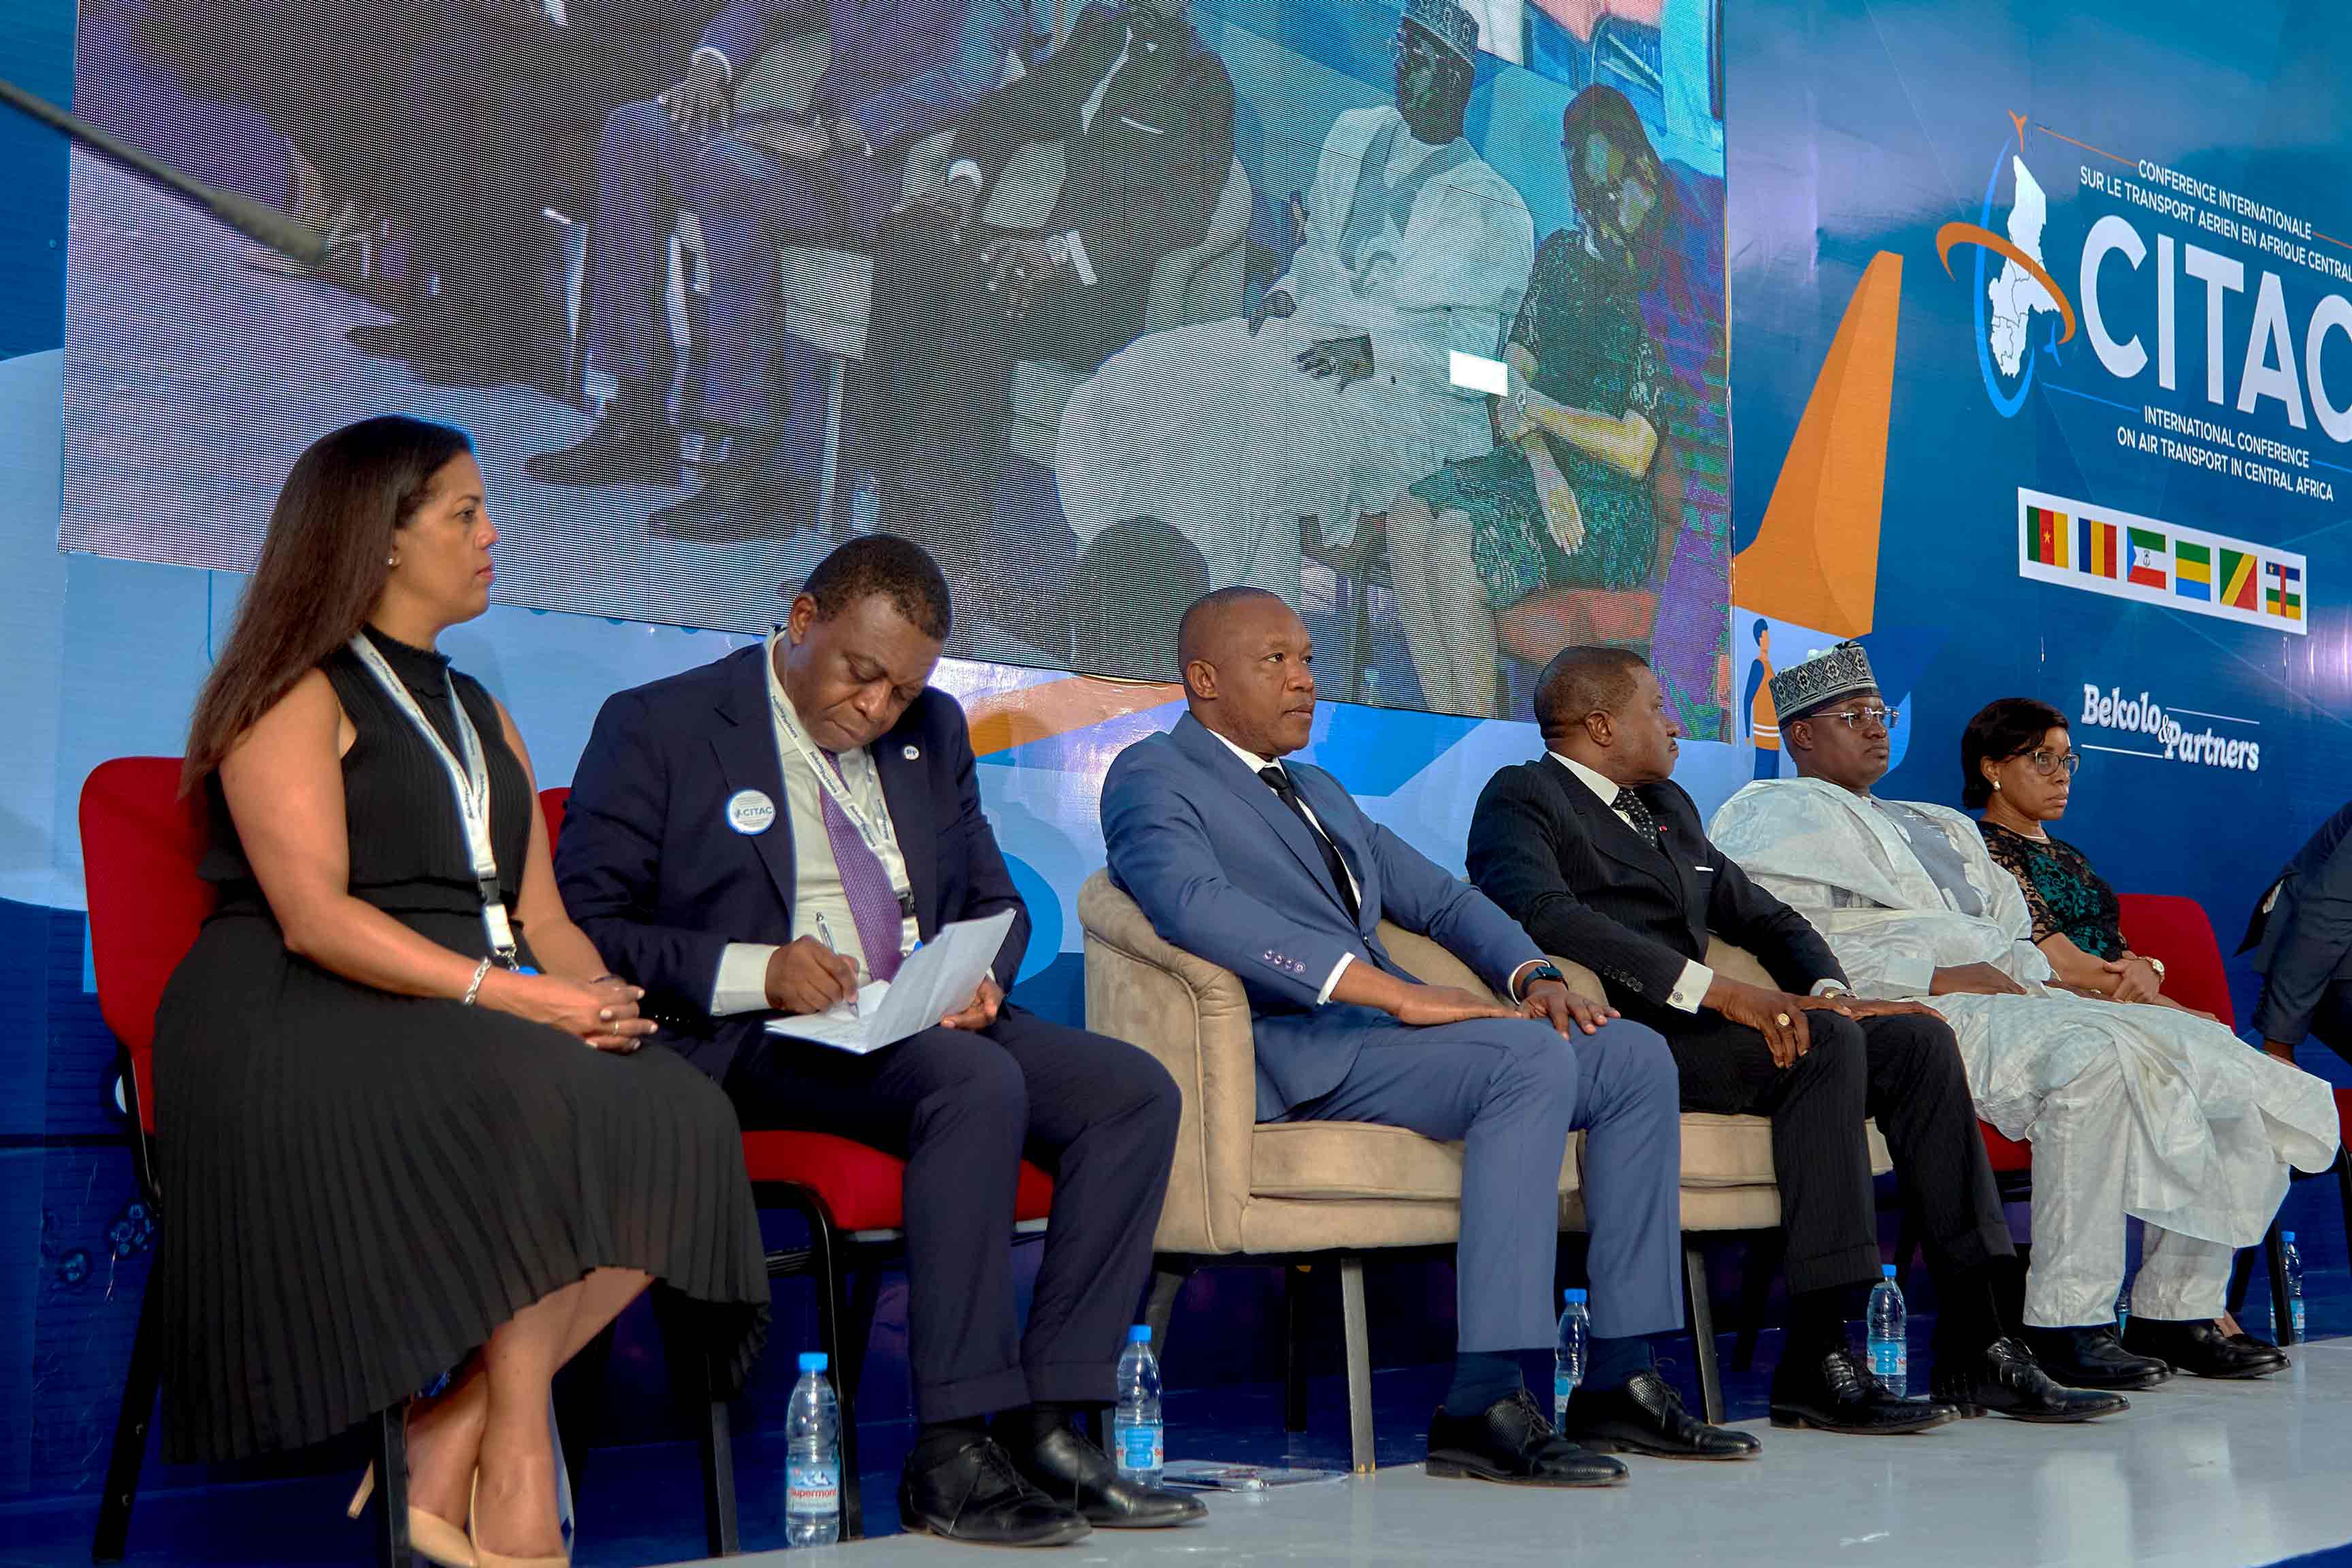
2301, 932
653, 874
901, 68
1224, 871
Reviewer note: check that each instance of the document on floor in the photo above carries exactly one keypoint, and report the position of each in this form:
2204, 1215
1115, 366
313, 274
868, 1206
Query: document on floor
937, 979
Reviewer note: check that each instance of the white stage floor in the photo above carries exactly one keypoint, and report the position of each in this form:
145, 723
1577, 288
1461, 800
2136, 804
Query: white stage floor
2197, 1473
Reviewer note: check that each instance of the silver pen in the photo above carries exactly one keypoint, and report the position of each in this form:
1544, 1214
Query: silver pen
825, 935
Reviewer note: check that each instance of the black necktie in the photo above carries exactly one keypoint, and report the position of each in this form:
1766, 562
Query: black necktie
1278, 781
1635, 810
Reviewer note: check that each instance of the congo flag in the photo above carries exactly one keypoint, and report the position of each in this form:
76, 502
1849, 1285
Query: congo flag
2238, 582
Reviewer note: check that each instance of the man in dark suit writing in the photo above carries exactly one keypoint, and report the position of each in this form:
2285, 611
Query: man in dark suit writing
1596, 853
1270, 870
730, 828
2301, 937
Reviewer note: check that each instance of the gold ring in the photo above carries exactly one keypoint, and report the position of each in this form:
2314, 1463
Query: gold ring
1781, 1019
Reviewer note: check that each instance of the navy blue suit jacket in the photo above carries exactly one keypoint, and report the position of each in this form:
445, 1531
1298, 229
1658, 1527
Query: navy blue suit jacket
901, 68
1224, 870
653, 874
2300, 933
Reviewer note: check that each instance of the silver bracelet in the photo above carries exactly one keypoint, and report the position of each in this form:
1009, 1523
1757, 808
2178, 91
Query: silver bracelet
474, 988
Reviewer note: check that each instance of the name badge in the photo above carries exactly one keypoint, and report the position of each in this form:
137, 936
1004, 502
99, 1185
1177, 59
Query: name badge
750, 812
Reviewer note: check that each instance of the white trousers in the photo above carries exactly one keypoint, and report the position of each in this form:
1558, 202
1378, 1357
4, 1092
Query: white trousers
2082, 1148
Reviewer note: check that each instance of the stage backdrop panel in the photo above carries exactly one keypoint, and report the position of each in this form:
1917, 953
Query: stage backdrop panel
1254, 306
2045, 388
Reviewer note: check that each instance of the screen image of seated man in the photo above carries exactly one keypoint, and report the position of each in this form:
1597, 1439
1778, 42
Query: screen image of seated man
502, 103
896, 71
1144, 113
1335, 393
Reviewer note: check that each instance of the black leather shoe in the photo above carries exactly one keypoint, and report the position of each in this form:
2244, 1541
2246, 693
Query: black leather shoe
624, 449
734, 504
1838, 1393
2003, 1379
2203, 1348
1080, 1477
2092, 1357
977, 1495
1645, 1416
1511, 1440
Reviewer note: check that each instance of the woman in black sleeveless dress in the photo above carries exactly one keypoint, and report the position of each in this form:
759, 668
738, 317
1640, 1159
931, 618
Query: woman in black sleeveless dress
388, 1155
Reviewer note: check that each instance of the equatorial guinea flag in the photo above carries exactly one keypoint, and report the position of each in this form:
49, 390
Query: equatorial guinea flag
2147, 558
2045, 536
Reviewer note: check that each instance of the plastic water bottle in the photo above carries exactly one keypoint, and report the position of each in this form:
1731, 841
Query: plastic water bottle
1890, 1353
1568, 1355
812, 1459
1138, 1439
2123, 1307
2293, 1283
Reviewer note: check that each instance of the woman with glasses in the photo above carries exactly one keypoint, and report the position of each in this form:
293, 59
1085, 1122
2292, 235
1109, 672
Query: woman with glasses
2017, 767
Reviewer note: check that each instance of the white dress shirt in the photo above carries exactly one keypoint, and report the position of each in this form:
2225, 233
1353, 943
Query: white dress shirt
1690, 987
742, 982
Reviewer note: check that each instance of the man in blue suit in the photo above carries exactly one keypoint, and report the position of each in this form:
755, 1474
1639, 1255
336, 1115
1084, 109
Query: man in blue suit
896, 71
750, 841
2301, 937
1273, 872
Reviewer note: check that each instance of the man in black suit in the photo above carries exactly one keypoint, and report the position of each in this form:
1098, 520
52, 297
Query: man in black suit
751, 840
1145, 116
2301, 937
1601, 859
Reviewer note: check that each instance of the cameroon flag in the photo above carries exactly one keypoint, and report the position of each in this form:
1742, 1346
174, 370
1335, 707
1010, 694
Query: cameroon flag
2192, 570
2239, 583
2045, 536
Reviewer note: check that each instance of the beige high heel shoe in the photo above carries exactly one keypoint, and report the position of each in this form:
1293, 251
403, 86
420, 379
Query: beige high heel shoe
429, 1535
487, 1559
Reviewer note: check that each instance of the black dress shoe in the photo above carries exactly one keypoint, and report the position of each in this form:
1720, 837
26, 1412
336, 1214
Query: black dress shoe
626, 447
396, 339
1645, 1416
2203, 1348
1839, 1393
1080, 1477
977, 1495
2004, 1380
467, 360
2092, 1357
1511, 1440
732, 505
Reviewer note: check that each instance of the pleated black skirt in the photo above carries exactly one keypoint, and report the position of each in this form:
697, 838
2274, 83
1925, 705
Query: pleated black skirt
358, 1187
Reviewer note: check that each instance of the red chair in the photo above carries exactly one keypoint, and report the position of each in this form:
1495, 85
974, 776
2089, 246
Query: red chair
141, 844
852, 1199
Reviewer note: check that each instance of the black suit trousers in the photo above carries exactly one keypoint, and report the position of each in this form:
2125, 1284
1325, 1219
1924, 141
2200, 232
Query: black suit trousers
962, 1107
1902, 1070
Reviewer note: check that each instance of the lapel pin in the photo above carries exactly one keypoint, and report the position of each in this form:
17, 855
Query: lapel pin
750, 812
911, 752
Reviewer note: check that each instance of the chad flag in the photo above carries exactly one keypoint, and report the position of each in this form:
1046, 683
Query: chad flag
2045, 536
2237, 581
2098, 553
2192, 570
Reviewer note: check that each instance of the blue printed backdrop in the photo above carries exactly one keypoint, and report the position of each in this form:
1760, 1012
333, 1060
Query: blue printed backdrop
1862, 137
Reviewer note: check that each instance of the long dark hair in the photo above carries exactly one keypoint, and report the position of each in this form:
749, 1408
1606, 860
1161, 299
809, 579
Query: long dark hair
2004, 728
321, 567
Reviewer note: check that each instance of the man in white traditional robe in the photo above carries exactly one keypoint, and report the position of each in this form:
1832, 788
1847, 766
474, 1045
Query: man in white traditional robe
1337, 392
2133, 1110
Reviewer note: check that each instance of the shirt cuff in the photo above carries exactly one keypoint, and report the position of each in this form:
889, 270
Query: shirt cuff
1908, 977
1829, 987
719, 55
1079, 259
1690, 989
1331, 981
964, 168
742, 984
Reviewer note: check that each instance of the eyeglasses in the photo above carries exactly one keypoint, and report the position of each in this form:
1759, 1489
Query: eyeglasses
2049, 764
1864, 717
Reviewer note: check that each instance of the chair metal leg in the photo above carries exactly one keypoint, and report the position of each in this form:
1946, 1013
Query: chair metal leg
2344, 1186
130, 1424
836, 378
392, 1487
1168, 1276
1702, 1321
1295, 1310
842, 1333
2242, 1276
1359, 1363
2281, 1311
1763, 1261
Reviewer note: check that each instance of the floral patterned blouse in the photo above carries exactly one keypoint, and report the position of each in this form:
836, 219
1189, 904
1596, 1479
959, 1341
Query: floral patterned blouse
2066, 897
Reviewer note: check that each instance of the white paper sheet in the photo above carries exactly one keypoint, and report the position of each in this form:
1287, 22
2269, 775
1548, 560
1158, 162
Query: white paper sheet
937, 979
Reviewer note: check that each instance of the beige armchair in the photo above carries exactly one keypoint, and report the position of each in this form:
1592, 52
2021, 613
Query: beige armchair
1336, 1189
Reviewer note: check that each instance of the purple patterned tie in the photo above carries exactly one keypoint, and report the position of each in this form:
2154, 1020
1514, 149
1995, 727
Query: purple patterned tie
865, 884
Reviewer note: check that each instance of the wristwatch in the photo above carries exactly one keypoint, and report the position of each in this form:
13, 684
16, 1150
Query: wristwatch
1540, 971
2155, 964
